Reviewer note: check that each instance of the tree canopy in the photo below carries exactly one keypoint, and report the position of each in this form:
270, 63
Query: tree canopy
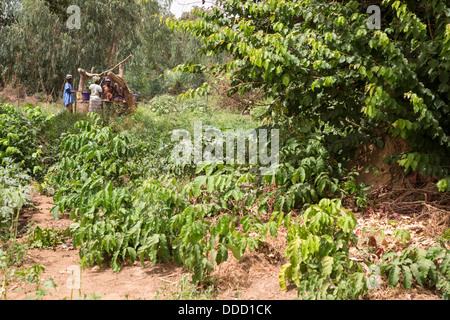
319, 60
37, 49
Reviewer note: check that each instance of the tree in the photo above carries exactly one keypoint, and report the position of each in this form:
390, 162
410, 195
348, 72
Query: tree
38, 50
320, 60
8, 12
161, 50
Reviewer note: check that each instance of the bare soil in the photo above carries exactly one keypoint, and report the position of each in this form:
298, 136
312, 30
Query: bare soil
371, 156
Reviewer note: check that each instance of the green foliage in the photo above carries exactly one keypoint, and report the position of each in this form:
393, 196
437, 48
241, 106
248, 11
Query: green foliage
120, 217
403, 235
445, 238
307, 173
160, 50
8, 9
46, 238
22, 138
40, 41
14, 194
222, 187
443, 185
33, 275
429, 268
318, 254
320, 61
169, 104
35, 37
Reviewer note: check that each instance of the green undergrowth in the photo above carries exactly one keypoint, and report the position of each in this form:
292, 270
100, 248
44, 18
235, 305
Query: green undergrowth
128, 202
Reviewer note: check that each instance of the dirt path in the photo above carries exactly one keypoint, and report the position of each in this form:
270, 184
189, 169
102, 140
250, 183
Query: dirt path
254, 277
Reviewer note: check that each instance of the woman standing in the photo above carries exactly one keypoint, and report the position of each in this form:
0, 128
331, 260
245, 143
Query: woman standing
68, 94
108, 90
95, 101
119, 103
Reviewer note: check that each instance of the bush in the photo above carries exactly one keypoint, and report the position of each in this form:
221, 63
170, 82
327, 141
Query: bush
22, 136
320, 61
318, 253
14, 194
169, 104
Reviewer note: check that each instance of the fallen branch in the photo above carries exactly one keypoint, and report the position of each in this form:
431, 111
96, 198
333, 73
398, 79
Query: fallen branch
126, 90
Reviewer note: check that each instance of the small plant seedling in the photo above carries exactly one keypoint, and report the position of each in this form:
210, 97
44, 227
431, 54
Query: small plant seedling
392, 222
403, 235
46, 238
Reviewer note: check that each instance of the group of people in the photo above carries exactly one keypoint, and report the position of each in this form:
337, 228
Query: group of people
109, 93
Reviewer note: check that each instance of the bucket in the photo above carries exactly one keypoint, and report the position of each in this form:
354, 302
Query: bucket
86, 95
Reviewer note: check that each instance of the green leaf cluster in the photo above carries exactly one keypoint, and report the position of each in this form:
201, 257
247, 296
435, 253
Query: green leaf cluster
428, 268
320, 61
318, 253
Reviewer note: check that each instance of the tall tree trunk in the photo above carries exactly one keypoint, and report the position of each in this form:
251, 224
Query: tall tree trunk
112, 48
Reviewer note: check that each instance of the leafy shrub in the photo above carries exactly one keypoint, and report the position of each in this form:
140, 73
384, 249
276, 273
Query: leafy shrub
307, 173
46, 238
429, 268
89, 160
119, 217
169, 104
22, 136
227, 187
14, 194
318, 254
320, 61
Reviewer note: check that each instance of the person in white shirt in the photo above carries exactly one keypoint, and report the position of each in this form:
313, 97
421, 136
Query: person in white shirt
95, 100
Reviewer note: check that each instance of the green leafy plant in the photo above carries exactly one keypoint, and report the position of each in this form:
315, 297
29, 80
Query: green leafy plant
356, 191
14, 195
46, 238
318, 254
33, 276
443, 185
222, 187
319, 61
429, 268
306, 174
22, 138
445, 238
119, 220
403, 235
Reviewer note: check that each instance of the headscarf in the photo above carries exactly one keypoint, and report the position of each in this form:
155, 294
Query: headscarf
69, 76
107, 79
96, 78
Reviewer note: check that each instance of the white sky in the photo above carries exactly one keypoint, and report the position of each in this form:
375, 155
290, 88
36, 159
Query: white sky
180, 6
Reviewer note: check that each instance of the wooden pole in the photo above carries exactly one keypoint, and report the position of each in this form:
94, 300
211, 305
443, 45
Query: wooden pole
91, 74
126, 90
84, 76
